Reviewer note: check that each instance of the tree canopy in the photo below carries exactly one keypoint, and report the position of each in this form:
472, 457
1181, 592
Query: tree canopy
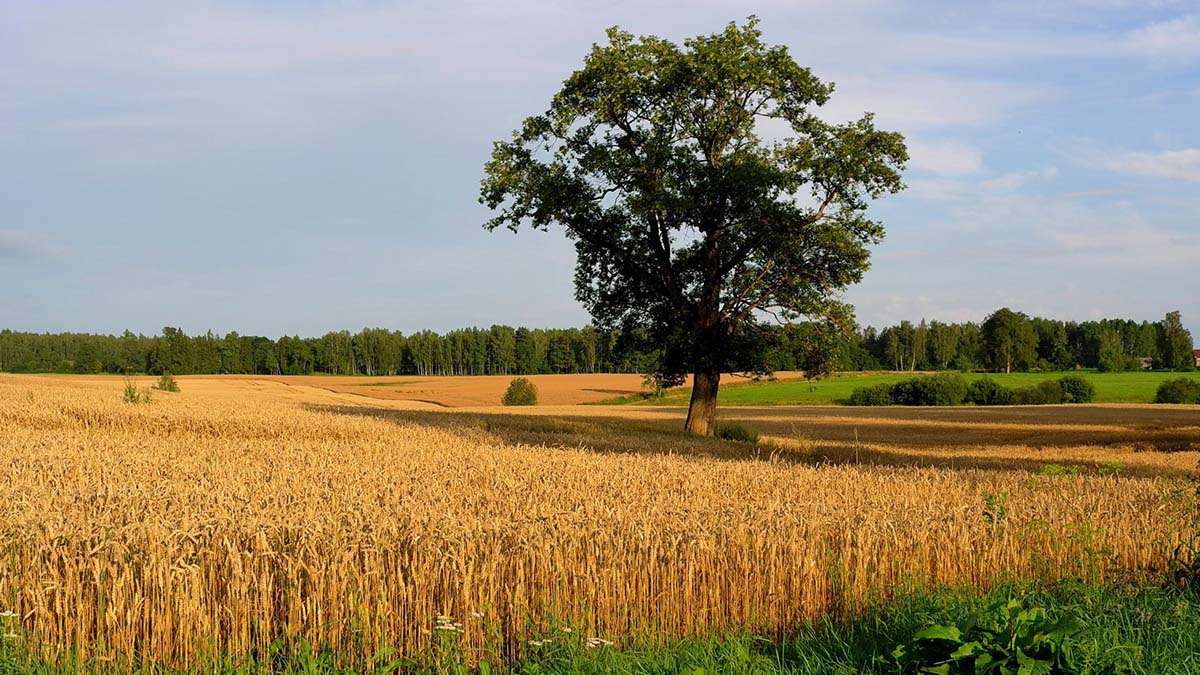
689, 224
1010, 340
1175, 343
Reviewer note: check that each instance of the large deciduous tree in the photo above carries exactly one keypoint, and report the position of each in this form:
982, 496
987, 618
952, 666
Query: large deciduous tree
1009, 341
690, 225
1175, 343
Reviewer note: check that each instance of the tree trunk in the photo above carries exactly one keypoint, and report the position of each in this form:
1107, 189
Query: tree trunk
702, 412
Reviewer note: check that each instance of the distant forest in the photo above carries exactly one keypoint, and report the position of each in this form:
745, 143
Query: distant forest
1005, 341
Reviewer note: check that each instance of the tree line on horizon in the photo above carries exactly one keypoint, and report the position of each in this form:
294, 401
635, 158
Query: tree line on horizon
1011, 341
1007, 340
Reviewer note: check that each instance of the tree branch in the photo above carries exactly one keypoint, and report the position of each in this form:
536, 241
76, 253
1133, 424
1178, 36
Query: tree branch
729, 306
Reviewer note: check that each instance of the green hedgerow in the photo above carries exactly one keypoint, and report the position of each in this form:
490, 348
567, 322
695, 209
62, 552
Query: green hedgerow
880, 394
930, 390
986, 391
1042, 393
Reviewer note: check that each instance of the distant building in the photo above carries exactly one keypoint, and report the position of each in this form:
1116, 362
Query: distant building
1146, 362
1196, 356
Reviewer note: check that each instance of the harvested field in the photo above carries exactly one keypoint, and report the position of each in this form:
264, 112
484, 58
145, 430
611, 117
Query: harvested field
213, 522
453, 391
1142, 440
480, 390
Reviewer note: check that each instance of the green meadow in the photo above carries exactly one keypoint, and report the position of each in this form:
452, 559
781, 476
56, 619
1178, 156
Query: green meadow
1130, 387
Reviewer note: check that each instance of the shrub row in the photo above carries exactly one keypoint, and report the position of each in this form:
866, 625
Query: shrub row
949, 389
1181, 390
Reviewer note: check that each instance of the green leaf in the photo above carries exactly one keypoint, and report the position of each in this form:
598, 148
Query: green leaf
1032, 666
1064, 628
967, 649
950, 633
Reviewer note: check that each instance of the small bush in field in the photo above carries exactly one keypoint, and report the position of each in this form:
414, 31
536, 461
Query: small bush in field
167, 383
520, 392
131, 394
1180, 390
737, 432
1077, 389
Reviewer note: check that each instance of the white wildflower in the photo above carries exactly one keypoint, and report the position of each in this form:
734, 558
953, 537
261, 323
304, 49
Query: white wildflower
7, 614
594, 642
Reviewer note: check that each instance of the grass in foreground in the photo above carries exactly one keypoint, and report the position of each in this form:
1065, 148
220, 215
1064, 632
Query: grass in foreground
1136, 387
1127, 629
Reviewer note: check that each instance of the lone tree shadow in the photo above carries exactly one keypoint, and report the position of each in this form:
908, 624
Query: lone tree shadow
595, 433
617, 434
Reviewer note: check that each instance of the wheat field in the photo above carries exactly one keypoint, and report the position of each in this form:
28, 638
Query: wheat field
209, 524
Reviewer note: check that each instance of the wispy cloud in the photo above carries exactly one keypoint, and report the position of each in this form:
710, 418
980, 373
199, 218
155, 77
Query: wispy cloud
1178, 164
946, 157
20, 246
1176, 39
1077, 230
1018, 179
938, 189
925, 102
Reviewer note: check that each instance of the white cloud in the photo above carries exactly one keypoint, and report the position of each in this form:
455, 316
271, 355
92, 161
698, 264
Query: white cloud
1066, 256
948, 189
1173, 40
946, 157
1129, 238
915, 103
1179, 164
936, 189
1018, 179
1079, 230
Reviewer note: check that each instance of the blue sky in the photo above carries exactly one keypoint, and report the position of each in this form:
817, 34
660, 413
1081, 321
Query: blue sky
298, 167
